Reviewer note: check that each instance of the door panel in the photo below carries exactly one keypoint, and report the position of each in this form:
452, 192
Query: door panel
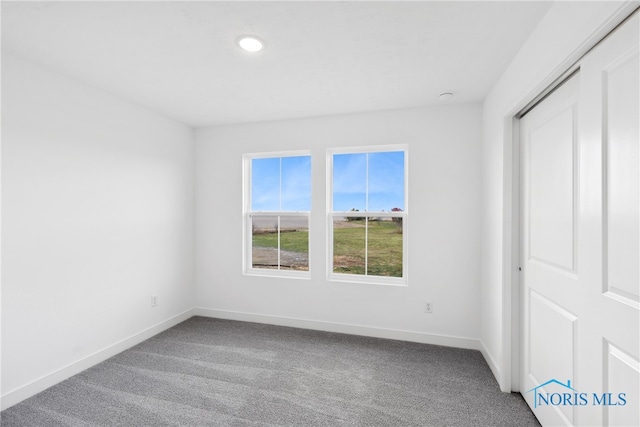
546, 316
621, 373
580, 240
550, 272
622, 124
551, 192
609, 122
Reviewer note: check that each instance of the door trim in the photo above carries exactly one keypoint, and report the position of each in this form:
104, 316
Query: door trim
511, 358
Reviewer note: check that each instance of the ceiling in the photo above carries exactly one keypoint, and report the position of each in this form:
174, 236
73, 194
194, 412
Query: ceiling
181, 59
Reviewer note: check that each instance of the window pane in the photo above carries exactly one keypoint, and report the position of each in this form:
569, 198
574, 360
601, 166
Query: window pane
386, 181
349, 181
348, 246
264, 232
294, 243
385, 247
265, 184
296, 183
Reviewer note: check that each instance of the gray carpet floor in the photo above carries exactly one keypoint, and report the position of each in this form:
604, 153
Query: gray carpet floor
211, 372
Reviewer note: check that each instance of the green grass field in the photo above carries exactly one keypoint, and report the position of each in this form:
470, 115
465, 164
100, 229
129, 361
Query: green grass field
294, 241
385, 247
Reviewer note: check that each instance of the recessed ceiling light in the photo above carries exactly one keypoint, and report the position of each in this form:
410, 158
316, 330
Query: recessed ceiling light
445, 96
250, 43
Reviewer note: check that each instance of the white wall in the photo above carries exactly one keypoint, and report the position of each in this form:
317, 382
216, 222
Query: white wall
562, 36
443, 229
98, 209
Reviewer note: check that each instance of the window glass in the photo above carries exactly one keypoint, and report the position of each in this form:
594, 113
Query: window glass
296, 183
349, 182
294, 243
264, 232
349, 239
386, 181
265, 184
384, 247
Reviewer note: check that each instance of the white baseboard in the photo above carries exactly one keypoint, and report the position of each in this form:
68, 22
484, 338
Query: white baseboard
495, 369
18, 395
367, 331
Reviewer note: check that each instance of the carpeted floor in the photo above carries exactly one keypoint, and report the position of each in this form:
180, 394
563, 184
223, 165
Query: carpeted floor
210, 372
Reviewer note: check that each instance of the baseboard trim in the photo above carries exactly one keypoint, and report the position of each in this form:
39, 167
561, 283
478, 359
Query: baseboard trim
18, 395
495, 369
343, 328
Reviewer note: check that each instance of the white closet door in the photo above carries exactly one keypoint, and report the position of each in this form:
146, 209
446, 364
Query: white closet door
580, 242
551, 275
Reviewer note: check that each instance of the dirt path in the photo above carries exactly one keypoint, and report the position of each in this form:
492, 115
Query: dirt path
268, 258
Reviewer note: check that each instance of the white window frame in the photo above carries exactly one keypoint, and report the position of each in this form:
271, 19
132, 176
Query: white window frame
364, 278
248, 214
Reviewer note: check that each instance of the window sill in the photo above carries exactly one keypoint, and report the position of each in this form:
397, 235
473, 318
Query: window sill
282, 274
368, 280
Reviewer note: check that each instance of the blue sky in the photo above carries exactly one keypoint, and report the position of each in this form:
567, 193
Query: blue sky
385, 183
284, 183
281, 183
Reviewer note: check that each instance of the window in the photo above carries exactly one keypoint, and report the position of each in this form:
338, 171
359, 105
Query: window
368, 215
277, 206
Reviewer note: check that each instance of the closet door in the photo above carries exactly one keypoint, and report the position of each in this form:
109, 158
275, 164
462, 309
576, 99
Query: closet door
553, 290
609, 340
580, 242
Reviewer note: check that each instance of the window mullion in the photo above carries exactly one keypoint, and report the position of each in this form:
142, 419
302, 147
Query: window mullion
366, 184
366, 218
280, 187
366, 245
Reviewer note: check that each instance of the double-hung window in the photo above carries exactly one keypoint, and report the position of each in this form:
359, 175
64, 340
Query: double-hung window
367, 221
277, 206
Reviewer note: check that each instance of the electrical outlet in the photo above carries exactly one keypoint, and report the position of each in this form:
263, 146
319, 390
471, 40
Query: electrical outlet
154, 300
428, 307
